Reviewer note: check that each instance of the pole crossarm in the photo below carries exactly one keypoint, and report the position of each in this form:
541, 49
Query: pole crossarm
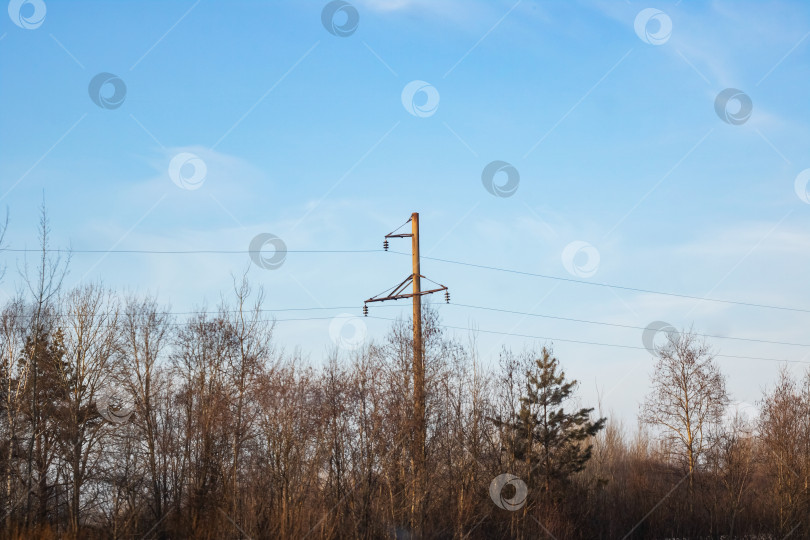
397, 293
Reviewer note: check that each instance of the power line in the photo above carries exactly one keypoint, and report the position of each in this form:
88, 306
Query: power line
582, 342
617, 325
468, 306
190, 322
613, 286
438, 259
495, 332
228, 311
183, 251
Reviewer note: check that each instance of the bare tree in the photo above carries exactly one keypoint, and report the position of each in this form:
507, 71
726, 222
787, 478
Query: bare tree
687, 400
785, 434
732, 462
144, 338
90, 342
252, 334
199, 361
13, 325
43, 284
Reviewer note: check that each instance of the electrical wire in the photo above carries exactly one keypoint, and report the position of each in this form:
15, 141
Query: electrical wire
183, 251
472, 265
191, 322
466, 306
596, 343
617, 325
610, 285
437, 259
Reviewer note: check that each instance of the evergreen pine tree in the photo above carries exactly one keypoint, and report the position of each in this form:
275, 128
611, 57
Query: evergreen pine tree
550, 440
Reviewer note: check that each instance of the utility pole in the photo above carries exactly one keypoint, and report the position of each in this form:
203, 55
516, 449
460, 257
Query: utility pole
420, 426
418, 451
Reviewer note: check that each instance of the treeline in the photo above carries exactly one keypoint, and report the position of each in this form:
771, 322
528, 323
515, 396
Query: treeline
120, 420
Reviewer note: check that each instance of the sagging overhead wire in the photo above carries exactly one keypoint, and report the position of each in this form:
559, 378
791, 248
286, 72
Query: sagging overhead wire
613, 286
437, 259
595, 343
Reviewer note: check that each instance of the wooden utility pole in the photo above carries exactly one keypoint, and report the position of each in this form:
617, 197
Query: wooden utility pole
420, 427
418, 450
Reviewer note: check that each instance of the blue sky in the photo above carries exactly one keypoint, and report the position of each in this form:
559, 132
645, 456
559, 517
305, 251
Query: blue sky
303, 134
